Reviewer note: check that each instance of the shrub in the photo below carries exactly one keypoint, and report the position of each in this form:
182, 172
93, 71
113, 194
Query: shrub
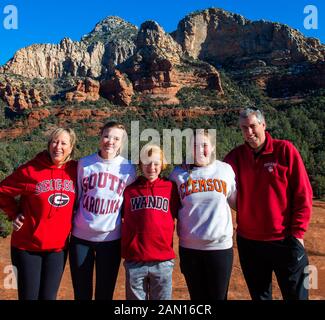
5, 226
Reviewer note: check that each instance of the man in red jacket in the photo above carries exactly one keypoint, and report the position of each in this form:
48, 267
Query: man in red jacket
274, 204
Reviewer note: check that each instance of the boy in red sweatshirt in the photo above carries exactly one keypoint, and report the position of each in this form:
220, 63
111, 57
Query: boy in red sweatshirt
274, 203
150, 205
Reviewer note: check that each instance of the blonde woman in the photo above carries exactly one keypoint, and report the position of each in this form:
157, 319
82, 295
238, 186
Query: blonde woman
42, 217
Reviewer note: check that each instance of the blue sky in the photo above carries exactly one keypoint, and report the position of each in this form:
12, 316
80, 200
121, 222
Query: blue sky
47, 21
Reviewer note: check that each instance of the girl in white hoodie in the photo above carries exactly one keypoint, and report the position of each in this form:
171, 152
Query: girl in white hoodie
96, 233
204, 223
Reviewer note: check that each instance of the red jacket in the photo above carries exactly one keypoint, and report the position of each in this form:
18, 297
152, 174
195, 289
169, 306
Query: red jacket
274, 197
149, 210
47, 194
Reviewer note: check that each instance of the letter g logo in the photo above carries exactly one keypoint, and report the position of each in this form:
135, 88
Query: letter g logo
58, 199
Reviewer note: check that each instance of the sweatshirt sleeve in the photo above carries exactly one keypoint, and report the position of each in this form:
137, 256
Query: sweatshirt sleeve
175, 201
172, 176
301, 194
12, 186
232, 192
133, 175
79, 179
231, 159
79, 184
125, 204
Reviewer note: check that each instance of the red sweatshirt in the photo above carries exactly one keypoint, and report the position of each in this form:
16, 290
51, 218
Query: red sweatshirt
149, 210
274, 197
47, 195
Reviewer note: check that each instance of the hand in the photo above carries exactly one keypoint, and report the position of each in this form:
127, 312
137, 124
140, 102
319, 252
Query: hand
18, 222
301, 241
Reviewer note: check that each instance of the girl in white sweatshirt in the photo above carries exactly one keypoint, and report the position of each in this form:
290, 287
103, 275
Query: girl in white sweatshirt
102, 178
204, 223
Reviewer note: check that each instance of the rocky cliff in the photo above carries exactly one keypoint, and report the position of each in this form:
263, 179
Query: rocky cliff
151, 64
110, 43
158, 69
229, 39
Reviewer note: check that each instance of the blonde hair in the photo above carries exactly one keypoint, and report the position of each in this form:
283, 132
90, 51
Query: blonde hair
73, 140
149, 149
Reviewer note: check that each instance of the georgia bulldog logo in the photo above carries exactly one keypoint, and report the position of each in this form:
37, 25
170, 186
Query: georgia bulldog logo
58, 199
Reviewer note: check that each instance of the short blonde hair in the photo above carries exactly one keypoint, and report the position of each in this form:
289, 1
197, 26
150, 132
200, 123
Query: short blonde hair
73, 140
149, 150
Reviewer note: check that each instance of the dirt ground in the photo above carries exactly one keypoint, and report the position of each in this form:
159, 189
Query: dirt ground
315, 246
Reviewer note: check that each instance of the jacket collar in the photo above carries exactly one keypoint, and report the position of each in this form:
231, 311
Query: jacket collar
268, 146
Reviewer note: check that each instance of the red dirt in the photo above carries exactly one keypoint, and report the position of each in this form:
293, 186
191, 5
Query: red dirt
238, 290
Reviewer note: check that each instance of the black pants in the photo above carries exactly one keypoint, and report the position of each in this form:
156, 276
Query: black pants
82, 257
287, 258
38, 273
207, 272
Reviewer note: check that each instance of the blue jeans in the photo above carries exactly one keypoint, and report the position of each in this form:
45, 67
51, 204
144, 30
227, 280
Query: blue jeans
83, 255
148, 280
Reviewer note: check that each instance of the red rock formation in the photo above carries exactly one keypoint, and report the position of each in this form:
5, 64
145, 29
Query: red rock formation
20, 102
74, 114
35, 97
151, 68
35, 117
86, 90
203, 76
181, 114
13, 132
161, 86
70, 115
19, 98
117, 89
158, 70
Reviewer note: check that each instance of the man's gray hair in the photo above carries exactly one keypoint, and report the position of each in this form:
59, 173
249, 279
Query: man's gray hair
245, 113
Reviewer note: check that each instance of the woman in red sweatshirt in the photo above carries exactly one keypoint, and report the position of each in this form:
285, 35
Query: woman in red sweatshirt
42, 216
149, 207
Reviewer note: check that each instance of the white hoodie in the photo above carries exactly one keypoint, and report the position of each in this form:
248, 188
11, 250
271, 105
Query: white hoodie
204, 220
100, 192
